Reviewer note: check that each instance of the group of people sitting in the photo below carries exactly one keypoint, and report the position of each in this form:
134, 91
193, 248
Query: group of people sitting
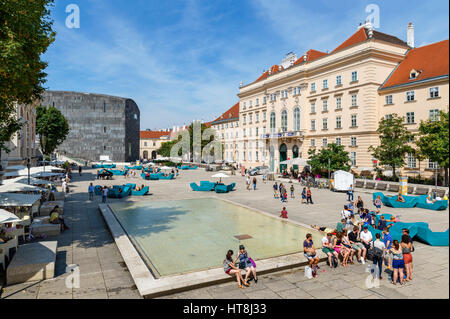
233, 268
352, 237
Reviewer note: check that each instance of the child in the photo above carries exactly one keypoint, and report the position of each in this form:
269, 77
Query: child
283, 213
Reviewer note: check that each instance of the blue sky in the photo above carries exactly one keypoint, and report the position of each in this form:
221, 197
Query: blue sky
184, 60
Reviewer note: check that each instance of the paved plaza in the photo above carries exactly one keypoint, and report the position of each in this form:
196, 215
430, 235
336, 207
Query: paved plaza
103, 273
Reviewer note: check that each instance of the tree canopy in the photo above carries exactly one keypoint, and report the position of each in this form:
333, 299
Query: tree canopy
433, 140
338, 157
52, 128
394, 142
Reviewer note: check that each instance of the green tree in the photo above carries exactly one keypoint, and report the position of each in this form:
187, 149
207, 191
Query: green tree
433, 141
165, 148
52, 128
394, 142
333, 155
25, 34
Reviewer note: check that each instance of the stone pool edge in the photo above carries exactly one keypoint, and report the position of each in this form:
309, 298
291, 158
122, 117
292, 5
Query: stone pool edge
150, 287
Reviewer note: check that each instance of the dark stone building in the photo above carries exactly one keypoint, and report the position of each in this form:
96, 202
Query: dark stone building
99, 125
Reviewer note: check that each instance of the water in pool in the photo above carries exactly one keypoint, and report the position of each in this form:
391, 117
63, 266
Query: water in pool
183, 236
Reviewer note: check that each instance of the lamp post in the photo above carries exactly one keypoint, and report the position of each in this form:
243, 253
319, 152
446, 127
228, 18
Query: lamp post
435, 180
28, 166
329, 164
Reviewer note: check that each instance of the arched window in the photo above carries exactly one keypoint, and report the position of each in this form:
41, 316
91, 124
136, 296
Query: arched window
284, 121
296, 119
272, 122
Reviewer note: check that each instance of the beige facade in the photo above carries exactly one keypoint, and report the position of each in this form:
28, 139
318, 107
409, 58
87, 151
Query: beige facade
150, 142
23, 144
330, 99
228, 132
430, 97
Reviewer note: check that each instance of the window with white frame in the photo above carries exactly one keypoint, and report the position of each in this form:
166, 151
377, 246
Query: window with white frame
244, 119
410, 161
250, 103
388, 99
313, 107
325, 124
250, 118
410, 118
325, 84
313, 142
432, 165
352, 141
296, 119
244, 132
257, 102
272, 122
264, 116
325, 105
264, 100
313, 87
354, 100
257, 117
273, 97
338, 103
353, 158
257, 131
410, 96
353, 120
244, 105
256, 156
250, 130
313, 125
284, 94
388, 116
284, 121
324, 142
434, 92
338, 141
434, 115
354, 76
338, 121
297, 90
338, 80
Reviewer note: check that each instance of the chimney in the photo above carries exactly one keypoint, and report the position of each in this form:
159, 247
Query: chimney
410, 35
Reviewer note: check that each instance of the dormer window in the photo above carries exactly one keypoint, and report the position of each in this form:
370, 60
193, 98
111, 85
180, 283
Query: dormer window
413, 74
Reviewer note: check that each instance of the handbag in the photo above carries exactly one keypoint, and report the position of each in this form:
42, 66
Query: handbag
252, 262
308, 272
377, 252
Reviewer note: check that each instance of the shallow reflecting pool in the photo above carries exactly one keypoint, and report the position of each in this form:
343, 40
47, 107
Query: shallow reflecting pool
183, 236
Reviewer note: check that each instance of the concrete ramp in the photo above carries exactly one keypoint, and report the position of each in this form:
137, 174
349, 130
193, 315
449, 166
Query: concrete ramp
32, 262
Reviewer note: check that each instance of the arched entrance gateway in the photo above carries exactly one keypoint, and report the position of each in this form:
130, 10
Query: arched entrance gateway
153, 155
145, 155
283, 156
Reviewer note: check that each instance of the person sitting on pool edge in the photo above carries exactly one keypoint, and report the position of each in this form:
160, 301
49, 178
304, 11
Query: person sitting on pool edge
232, 270
246, 263
309, 251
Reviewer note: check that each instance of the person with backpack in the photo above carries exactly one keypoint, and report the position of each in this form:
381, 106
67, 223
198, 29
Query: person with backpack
378, 250
327, 248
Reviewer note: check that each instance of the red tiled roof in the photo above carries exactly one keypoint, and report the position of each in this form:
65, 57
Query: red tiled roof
430, 60
153, 134
274, 69
208, 124
310, 56
230, 113
363, 34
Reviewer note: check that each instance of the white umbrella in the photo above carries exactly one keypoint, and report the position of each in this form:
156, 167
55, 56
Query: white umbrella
7, 217
286, 162
299, 161
361, 169
220, 176
46, 174
165, 168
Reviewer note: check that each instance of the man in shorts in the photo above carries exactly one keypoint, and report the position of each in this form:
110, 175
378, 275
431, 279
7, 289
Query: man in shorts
327, 248
309, 251
357, 245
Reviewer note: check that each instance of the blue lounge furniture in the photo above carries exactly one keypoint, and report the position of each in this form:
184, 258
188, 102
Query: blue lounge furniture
97, 190
195, 167
170, 176
222, 188
410, 201
438, 205
117, 172
203, 187
132, 186
116, 193
185, 167
142, 192
133, 167
104, 166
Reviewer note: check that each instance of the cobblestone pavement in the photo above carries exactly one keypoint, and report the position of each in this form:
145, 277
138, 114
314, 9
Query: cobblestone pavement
103, 274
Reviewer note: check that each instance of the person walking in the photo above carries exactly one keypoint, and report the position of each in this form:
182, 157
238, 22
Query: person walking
104, 194
91, 192
248, 182
292, 191
378, 250
406, 246
275, 190
304, 196
79, 169
309, 196
397, 262
254, 183
350, 193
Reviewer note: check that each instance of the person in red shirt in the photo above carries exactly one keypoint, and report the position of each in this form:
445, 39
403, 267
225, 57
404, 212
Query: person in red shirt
284, 213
